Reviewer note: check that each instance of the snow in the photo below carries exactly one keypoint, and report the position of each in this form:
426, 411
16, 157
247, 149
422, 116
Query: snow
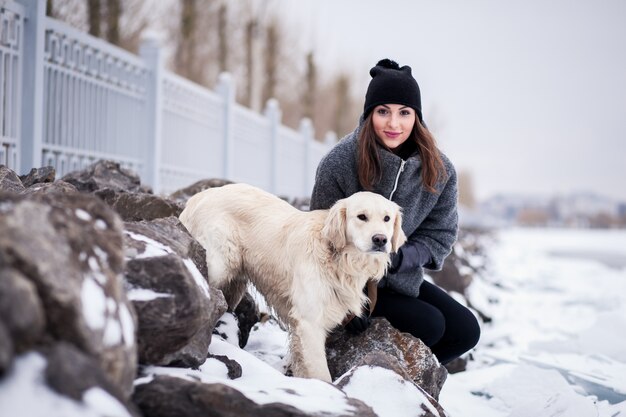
98, 399
23, 392
94, 304
556, 345
261, 383
144, 294
128, 325
390, 396
153, 248
197, 277
83, 215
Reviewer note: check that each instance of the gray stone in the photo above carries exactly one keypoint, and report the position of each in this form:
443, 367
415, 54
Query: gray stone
9, 181
136, 206
70, 247
6, 349
104, 174
345, 350
184, 194
21, 309
38, 175
51, 188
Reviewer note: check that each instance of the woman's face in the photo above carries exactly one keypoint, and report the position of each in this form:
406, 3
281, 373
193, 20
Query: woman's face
393, 123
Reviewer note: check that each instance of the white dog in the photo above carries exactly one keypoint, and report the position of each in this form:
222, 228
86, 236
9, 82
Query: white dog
310, 266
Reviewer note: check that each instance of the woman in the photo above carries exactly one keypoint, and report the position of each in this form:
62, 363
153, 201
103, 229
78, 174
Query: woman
392, 153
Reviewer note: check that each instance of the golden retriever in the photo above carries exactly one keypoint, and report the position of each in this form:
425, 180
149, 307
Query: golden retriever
310, 266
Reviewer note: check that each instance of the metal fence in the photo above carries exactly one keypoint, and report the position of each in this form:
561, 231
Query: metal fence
68, 99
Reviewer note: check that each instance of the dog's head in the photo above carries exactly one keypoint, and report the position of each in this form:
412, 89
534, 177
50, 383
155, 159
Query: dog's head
366, 220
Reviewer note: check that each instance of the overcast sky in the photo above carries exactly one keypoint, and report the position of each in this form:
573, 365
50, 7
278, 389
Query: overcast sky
528, 95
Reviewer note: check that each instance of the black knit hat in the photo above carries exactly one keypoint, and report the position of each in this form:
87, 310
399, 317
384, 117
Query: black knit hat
392, 85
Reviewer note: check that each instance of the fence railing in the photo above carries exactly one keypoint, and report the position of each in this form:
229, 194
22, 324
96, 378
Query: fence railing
68, 99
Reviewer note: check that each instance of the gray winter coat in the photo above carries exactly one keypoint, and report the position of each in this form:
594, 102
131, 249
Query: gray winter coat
429, 220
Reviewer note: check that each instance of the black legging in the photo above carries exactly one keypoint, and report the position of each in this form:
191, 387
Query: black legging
448, 328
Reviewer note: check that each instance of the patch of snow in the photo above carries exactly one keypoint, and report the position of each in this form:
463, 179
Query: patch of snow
387, 393
153, 248
269, 343
23, 392
101, 224
228, 328
128, 325
94, 303
197, 276
144, 294
104, 403
83, 215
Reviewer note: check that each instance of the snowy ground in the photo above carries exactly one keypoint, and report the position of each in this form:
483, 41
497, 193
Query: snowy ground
557, 345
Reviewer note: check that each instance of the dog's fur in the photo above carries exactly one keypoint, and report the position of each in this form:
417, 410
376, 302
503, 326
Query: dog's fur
310, 266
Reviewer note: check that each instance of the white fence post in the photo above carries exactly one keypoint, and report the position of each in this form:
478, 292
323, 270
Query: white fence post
307, 132
151, 53
226, 88
32, 85
274, 115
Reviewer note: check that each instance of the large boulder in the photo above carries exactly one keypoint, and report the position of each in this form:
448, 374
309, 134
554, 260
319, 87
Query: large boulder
50, 188
381, 381
166, 281
63, 253
167, 396
345, 351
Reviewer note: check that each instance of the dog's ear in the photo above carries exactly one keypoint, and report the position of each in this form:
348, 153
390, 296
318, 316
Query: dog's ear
335, 225
399, 237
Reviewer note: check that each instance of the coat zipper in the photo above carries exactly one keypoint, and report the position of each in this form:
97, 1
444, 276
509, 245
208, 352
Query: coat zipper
395, 186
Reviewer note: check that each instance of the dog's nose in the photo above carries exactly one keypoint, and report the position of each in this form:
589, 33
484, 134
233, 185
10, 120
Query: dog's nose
379, 240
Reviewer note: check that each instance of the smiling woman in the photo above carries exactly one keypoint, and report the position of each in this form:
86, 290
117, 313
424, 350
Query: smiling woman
392, 153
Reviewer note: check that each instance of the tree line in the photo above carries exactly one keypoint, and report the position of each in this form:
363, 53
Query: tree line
250, 39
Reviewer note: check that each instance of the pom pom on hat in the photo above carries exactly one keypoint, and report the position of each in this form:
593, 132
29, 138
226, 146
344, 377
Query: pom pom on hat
392, 84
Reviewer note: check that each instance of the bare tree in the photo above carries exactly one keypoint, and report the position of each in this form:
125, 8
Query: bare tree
222, 35
185, 57
272, 50
94, 16
113, 15
310, 85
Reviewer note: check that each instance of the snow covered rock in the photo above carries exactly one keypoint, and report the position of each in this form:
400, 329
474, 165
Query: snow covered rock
345, 351
69, 247
166, 281
170, 396
393, 393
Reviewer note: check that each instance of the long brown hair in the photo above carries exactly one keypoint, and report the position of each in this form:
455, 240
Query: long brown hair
433, 169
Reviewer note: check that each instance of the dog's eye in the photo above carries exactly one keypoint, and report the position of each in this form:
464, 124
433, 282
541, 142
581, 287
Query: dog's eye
362, 217
387, 218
